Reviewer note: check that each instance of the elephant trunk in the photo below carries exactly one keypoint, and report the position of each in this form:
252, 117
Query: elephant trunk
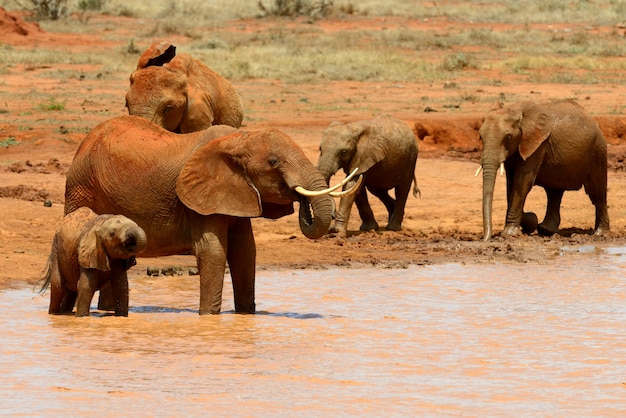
489, 181
136, 240
315, 213
327, 168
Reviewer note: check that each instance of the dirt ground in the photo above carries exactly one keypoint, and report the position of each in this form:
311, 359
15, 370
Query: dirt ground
443, 226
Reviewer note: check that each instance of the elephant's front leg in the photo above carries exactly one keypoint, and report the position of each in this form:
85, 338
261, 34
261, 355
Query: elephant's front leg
519, 182
241, 258
119, 285
86, 286
210, 239
342, 216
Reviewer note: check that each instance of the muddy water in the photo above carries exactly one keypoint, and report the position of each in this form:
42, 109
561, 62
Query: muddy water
492, 340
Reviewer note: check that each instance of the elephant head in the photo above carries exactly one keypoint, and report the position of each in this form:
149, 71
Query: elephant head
110, 237
515, 131
255, 174
349, 146
180, 93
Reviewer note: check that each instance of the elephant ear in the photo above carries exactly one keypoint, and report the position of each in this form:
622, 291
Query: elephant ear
200, 109
369, 149
91, 252
157, 55
536, 127
212, 182
199, 112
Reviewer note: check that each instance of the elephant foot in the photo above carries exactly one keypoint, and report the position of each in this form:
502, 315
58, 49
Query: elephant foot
511, 229
529, 223
394, 227
547, 230
340, 229
369, 226
601, 231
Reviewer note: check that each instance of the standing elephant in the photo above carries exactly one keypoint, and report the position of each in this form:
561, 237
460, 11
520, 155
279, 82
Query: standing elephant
195, 193
555, 145
384, 150
88, 252
180, 93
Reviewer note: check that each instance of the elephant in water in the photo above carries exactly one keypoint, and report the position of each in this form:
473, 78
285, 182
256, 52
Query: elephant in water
180, 93
385, 151
88, 252
197, 192
555, 145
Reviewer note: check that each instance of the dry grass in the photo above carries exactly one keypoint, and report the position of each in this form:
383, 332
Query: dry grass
397, 54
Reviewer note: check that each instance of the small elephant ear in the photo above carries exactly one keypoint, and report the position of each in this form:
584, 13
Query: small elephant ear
536, 127
91, 252
369, 149
157, 55
212, 182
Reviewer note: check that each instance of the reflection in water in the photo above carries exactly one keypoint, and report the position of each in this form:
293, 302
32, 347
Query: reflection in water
441, 340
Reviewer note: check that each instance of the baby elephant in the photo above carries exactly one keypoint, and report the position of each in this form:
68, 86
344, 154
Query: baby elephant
89, 251
385, 151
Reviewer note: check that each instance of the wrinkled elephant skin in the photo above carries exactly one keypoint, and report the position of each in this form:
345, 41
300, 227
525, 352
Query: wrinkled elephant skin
180, 93
197, 192
90, 251
384, 150
555, 145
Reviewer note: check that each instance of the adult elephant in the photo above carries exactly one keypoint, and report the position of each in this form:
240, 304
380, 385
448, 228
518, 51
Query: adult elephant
555, 145
197, 192
384, 150
180, 93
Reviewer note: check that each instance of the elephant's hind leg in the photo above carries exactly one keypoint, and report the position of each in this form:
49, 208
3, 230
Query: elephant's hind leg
598, 198
390, 205
550, 224
368, 221
241, 256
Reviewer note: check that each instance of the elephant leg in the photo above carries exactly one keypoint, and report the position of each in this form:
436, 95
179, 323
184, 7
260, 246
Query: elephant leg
342, 216
119, 286
57, 290
597, 194
87, 285
210, 238
368, 221
67, 302
550, 224
390, 205
106, 301
519, 183
241, 256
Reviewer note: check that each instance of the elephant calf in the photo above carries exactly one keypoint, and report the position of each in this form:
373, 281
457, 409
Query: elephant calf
89, 251
384, 150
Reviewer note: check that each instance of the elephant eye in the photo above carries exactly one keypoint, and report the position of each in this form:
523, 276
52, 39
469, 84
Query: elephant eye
272, 161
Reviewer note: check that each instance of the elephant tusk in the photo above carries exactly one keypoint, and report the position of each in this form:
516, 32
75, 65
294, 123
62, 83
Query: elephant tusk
351, 190
501, 168
310, 193
480, 168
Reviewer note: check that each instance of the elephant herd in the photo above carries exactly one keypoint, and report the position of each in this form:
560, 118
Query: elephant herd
179, 176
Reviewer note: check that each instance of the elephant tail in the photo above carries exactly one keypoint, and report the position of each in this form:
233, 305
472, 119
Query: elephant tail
416, 190
45, 281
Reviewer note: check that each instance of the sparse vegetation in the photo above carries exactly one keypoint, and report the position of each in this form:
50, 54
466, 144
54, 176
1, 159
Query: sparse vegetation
52, 105
292, 8
8, 142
